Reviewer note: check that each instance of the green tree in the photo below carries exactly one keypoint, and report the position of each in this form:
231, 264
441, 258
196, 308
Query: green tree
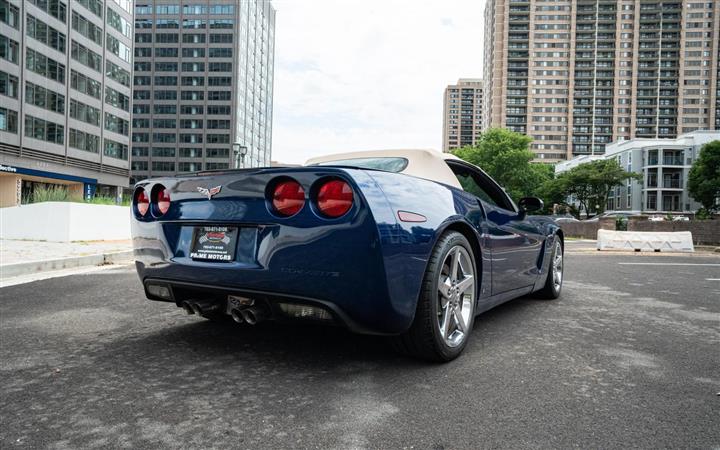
506, 157
590, 183
704, 176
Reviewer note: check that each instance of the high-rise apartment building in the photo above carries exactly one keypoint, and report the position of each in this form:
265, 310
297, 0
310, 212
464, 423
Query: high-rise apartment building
203, 85
576, 75
65, 74
462, 113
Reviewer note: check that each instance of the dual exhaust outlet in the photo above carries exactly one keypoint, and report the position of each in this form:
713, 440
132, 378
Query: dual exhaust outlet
250, 314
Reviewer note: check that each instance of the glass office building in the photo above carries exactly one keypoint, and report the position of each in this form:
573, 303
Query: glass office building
202, 86
65, 89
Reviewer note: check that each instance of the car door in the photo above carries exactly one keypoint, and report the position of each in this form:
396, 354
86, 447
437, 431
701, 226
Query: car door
514, 242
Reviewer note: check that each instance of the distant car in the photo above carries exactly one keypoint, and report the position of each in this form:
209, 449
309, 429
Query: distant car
656, 218
408, 243
681, 219
564, 219
614, 214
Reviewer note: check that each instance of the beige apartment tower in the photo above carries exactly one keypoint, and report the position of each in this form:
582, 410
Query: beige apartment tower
462, 113
576, 75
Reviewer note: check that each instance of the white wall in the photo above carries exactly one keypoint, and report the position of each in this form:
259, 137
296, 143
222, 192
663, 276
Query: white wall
65, 221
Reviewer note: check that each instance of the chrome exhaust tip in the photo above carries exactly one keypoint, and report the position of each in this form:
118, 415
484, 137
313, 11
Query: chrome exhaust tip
254, 315
196, 309
187, 308
237, 316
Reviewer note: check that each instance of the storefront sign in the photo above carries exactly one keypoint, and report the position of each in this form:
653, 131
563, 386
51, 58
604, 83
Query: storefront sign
4, 168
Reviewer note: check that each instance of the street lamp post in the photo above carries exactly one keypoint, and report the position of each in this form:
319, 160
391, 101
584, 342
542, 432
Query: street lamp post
239, 151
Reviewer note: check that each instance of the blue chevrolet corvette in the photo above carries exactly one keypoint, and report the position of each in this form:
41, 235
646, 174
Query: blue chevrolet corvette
407, 243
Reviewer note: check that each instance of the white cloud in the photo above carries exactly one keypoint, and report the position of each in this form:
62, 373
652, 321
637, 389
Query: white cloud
364, 74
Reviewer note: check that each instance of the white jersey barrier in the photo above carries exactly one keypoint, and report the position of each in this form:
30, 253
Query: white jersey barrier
658, 241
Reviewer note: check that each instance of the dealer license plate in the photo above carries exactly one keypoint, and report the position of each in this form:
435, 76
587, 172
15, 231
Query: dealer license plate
214, 243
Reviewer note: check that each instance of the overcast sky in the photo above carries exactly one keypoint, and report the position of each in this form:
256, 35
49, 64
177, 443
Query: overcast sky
368, 74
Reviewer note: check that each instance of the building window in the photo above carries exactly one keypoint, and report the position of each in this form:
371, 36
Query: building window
220, 67
118, 22
218, 153
8, 85
216, 166
83, 84
164, 123
165, 109
219, 95
114, 72
8, 120
219, 81
222, 52
44, 130
87, 28
116, 124
191, 138
192, 152
94, 6
143, 38
163, 166
9, 14
168, 138
116, 99
166, 38
115, 150
192, 95
84, 141
221, 23
9, 49
85, 113
118, 48
163, 152
221, 38
191, 109
193, 81
193, 52
165, 81
55, 8
218, 138
190, 166
166, 95
166, 52
193, 38
141, 152
193, 67
167, 9
166, 67
139, 166
42, 65
44, 98
42, 32
86, 56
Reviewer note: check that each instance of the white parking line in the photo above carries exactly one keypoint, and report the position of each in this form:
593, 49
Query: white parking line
668, 264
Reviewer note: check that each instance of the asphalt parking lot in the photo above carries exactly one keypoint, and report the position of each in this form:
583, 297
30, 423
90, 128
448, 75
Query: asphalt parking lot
629, 356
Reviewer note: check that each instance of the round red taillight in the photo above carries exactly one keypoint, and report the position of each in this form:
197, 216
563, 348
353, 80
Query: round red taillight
288, 198
334, 198
142, 201
163, 201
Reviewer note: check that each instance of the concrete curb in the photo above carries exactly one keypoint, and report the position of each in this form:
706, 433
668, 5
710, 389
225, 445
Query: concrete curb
27, 268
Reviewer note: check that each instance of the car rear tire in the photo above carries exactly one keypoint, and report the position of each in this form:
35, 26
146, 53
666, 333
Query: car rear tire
553, 282
446, 308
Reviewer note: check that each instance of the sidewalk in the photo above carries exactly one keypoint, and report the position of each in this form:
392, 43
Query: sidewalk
21, 257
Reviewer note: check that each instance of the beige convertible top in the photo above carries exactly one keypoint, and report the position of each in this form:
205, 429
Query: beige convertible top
422, 163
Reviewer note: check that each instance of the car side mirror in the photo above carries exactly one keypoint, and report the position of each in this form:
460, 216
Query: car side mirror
530, 204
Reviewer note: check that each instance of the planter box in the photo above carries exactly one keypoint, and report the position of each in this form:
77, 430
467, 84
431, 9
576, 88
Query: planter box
65, 222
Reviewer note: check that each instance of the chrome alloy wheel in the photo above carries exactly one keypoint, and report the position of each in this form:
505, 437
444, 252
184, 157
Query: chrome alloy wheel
456, 296
557, 267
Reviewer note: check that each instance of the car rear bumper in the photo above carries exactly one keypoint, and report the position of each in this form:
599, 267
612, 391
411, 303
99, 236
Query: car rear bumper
275, 303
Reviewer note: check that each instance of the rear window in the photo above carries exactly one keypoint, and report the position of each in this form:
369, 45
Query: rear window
387, 164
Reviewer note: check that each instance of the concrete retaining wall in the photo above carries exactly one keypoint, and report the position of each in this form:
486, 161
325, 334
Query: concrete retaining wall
586, 230
65, 222
704, 232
